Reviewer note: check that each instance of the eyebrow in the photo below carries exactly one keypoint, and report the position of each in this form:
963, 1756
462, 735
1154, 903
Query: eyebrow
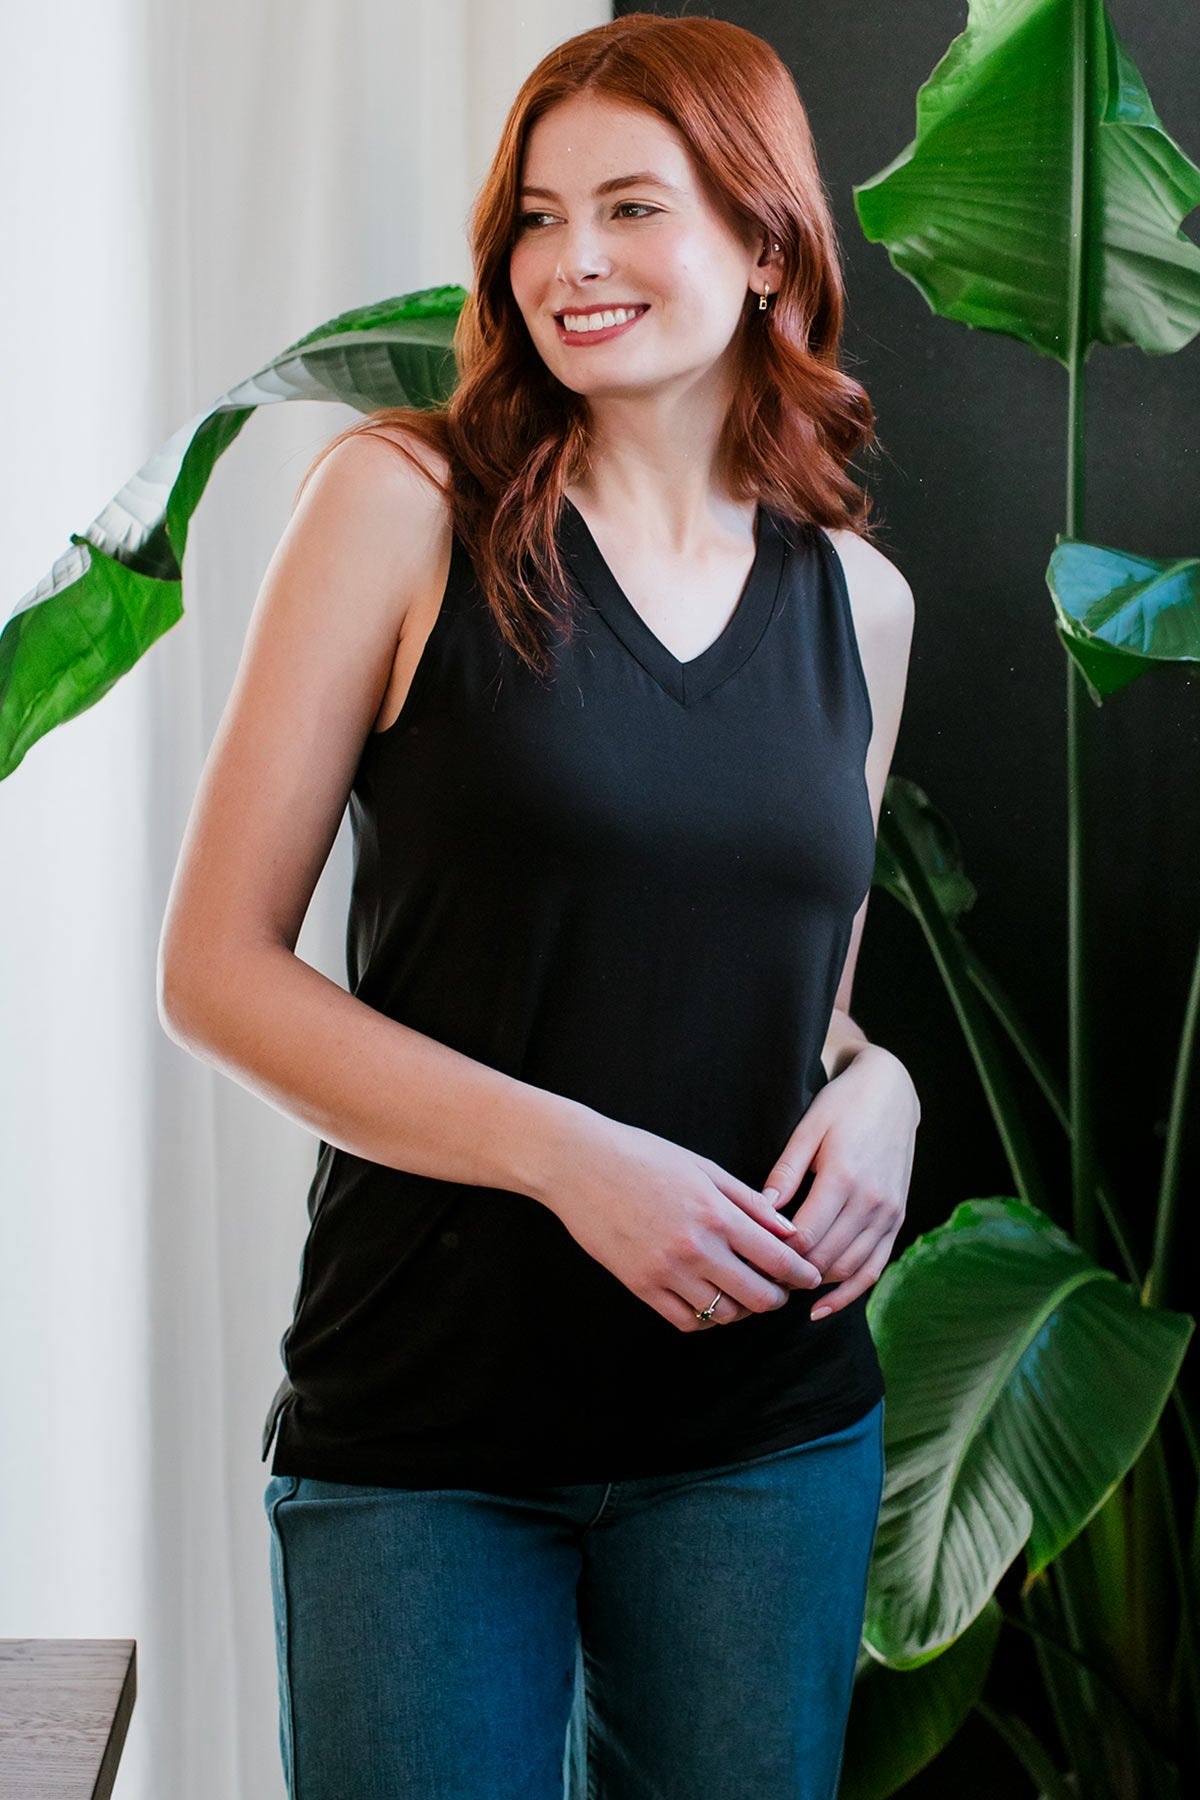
645, 179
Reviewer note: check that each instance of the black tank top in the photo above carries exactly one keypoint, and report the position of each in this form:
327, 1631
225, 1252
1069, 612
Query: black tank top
631, 882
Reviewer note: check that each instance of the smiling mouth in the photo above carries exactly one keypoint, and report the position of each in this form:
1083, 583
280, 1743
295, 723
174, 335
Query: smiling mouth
598, 331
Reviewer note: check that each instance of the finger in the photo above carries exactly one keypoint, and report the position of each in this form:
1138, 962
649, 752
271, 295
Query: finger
822, 1207
725, 1312
680, 1312
857, 1230
846, 1244
676, 1311
788, 1173
776, 1258
865, 1276
840, 1265
758, 1206
744, 1285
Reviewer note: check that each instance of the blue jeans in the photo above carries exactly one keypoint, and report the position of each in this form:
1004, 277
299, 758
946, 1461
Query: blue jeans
655, 1639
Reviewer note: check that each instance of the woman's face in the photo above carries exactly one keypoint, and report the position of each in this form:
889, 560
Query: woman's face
655, 245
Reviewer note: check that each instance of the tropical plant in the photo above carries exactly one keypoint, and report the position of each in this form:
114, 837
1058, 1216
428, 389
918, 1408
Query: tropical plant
120, 585
1026, 1382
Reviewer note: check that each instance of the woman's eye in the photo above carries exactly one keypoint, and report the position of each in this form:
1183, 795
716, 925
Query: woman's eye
527, 219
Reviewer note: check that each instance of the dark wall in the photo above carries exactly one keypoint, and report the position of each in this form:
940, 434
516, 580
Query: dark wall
970, 489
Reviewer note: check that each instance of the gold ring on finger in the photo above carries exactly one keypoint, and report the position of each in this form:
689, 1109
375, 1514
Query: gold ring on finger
709, 1312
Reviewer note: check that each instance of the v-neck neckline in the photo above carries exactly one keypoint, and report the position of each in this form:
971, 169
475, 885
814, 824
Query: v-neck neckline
687, 681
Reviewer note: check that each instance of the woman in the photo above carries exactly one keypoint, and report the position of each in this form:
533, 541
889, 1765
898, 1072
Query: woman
613, 714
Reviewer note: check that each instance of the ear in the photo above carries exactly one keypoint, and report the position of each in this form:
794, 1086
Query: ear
771, 263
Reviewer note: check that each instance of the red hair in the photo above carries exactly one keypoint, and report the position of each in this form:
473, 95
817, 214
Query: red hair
513, 437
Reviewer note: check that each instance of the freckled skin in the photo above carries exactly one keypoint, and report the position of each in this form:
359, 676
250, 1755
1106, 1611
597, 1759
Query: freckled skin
670, 250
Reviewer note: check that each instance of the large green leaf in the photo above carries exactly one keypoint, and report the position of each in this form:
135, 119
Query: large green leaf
931, 839
900, 1719
1023, 1382
119, 587
1119, 614
977, 211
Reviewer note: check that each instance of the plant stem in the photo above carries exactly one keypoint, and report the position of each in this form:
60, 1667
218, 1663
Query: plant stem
1111, 1691
1033, 1756
1190, 1436
1006, 1014
1084, 80
1166, 1215
1061, 1683
1185, 1579
946, 946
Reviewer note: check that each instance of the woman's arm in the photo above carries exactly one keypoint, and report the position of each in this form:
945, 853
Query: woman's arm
883, 609
365, 540
859, 1132
369, 1084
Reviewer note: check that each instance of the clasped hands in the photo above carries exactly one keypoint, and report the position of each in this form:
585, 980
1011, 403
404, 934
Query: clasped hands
859, 1135
673, 1226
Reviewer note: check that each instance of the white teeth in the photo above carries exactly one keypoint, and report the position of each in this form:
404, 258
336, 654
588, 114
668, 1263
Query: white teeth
598, 321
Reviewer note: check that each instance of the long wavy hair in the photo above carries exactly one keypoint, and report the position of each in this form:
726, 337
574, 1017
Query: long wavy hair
514, 437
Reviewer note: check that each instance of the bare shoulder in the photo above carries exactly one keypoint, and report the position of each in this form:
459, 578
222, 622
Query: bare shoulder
367, 477
425, 589
884, 612
432, 461
880, 596
366, 541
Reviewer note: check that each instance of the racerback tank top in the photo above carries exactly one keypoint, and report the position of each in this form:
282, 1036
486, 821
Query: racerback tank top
632, 882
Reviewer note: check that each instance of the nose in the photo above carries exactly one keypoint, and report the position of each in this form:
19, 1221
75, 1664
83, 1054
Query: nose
582, 258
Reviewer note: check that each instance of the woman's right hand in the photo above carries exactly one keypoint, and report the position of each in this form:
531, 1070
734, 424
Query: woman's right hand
672, 1225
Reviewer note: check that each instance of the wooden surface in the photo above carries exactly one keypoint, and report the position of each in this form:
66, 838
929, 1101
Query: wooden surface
64, 1711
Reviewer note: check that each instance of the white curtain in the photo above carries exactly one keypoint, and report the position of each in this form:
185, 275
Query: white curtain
186, 186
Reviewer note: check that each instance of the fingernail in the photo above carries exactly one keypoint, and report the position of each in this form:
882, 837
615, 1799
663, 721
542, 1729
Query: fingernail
819, 1312
771, 1195
786, 1223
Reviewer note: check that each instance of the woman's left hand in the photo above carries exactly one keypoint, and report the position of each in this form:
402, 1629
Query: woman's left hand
859, 1134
